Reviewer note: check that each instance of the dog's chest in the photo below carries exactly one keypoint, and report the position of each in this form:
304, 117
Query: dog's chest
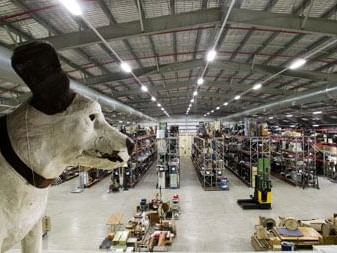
22, 205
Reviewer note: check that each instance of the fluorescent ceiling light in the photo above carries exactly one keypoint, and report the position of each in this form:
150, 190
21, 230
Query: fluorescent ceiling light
195, 93
317, 112
162, 109
271, 117
200, 81
315, 125
153, 99
212, 111
159, 105
192, 100
72, 6
144, 88
297, 63
211, 55
237, 97
126, 67
120, 121
292, 125
217, 108
289, 115
225, 104
257, 86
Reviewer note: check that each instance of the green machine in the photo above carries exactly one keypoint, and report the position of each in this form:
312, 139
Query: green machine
262, 193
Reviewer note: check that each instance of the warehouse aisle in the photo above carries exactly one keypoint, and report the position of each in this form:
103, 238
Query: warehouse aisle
210, 221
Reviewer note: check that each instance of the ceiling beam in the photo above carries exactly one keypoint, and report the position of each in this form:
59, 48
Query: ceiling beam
117, 76
234, 66
27, 36
180, 107
220, 97
289, 22
55, 30
188, 86
326, 94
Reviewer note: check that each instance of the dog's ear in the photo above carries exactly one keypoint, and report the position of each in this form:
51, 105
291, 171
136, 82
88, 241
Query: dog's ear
38, 65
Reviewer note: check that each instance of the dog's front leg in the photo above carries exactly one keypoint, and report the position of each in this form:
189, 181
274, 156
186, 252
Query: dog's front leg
32, 243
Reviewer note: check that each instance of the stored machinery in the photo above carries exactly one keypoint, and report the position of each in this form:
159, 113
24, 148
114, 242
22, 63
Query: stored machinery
223, 184
161, 176
262, 191
174, 176
126, 178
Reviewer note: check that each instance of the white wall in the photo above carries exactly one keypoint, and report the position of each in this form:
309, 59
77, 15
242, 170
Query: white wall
187, 125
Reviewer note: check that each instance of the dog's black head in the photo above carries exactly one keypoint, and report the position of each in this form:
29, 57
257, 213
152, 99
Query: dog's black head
38, 65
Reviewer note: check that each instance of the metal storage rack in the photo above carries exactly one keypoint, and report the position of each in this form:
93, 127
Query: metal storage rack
218, 158
169, 161
144, 156
207, 158
294, 160
242, 154
328, 159
199, 159
173, 161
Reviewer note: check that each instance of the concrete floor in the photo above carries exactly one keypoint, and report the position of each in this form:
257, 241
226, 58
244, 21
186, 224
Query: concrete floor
210, 221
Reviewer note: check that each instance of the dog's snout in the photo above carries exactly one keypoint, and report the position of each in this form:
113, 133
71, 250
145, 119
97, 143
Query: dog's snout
130, 145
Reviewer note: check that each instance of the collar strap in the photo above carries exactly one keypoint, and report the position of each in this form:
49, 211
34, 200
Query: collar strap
18, 165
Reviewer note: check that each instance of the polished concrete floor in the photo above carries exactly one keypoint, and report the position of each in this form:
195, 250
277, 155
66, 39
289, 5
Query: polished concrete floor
210, 221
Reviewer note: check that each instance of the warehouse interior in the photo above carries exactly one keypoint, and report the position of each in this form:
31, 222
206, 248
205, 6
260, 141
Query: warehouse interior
231, 108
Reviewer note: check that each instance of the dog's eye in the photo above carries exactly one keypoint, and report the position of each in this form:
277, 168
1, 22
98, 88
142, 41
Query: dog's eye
92, 117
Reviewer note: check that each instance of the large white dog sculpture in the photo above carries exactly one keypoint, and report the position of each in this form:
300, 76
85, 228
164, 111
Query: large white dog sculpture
44, 139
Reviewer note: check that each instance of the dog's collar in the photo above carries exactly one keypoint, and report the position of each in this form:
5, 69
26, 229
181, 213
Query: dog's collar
18, 165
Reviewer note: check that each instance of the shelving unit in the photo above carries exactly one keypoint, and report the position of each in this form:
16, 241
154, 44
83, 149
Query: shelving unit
144, 156
218, 158
242, 154
328, 159
68, 174
173, 161
199, 159
294, 160
93, 176
207, 158
168, 165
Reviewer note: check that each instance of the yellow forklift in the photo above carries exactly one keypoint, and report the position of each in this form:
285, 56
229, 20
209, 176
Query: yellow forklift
262, 192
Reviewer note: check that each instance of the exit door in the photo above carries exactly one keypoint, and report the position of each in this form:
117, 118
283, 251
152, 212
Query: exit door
185, 145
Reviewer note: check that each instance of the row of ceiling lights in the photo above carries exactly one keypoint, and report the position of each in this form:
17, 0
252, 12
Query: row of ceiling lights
210, 56
73, 7
291, 115
294, 65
